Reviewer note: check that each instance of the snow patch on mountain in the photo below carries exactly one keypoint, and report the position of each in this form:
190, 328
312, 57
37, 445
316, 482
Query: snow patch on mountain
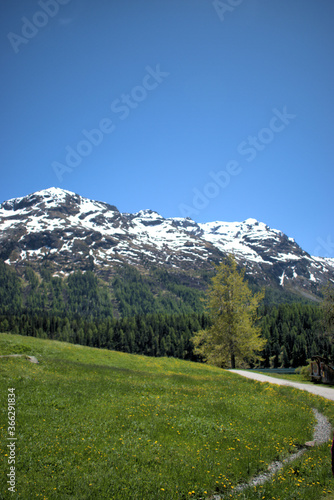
63, 226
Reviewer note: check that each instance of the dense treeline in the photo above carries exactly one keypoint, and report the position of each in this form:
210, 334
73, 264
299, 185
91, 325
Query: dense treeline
159, 292
78, 294
294, 334
154, 315
83, 294
151, 335
132, 315
10, 290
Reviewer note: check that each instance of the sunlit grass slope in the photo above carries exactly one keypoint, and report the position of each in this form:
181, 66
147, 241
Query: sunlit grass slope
96, 424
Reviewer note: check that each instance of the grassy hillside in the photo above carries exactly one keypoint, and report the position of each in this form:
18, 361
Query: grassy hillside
100, 424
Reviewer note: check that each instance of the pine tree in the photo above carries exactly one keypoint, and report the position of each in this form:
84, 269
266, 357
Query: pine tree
233, 336
283, 358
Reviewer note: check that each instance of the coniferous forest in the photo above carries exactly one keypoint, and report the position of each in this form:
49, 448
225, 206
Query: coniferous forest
153, 315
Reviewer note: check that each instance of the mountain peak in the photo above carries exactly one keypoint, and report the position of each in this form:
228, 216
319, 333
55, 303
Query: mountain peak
148, 214
251, 221
68, 231
54, 192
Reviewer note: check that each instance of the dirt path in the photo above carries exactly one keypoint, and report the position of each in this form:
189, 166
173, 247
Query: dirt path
322, 431
318, 390
31, 358
321, 434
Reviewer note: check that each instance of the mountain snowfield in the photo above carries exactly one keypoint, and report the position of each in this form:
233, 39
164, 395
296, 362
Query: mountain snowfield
69, 230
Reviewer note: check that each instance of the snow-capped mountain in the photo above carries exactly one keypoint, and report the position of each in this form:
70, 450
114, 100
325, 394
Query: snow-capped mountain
73, 232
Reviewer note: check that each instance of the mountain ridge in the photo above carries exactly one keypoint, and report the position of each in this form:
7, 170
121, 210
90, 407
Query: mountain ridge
73, 232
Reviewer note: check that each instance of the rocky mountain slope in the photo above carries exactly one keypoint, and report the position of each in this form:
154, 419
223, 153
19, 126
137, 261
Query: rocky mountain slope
71, 232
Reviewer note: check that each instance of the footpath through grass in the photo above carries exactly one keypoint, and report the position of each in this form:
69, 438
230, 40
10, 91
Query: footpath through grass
96, 424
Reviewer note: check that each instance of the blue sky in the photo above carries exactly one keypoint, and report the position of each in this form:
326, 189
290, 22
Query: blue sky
217, 110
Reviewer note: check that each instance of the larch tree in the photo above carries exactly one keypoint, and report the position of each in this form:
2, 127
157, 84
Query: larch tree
234, 336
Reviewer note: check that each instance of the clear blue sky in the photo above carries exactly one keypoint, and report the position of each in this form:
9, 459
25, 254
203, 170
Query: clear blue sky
217, 110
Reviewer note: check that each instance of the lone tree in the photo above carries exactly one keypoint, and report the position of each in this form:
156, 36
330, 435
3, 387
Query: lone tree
233, 336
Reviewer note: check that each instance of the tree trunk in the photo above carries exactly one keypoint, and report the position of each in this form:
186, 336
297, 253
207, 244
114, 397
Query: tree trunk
232, 361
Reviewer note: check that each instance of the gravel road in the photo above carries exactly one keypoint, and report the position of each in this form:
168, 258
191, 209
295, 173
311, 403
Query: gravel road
318, 390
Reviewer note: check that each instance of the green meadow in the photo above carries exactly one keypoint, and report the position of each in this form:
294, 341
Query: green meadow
97, 424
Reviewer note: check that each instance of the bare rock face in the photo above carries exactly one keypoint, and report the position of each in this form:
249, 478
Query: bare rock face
73, 232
